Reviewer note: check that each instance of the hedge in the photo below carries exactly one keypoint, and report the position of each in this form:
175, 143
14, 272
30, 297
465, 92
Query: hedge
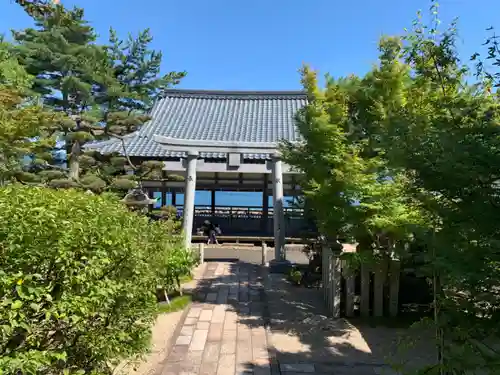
78, 280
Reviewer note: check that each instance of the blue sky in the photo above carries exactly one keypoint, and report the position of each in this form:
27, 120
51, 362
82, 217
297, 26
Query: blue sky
260, 44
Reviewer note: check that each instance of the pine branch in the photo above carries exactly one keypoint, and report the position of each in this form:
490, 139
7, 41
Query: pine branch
122, 139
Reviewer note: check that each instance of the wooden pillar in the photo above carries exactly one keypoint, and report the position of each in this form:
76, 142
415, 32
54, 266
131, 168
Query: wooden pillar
380, 273
265, 205
365, 290
395, 270
336, 284
350, 285
212, 201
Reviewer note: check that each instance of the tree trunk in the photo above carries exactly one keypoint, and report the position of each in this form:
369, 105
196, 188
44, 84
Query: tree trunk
179, 285
166, 296
74, 161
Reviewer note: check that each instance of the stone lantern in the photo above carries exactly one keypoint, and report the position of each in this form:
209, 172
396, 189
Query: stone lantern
137, 199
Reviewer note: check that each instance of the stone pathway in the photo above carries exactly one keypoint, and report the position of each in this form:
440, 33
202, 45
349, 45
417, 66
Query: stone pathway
227, 331
224, 331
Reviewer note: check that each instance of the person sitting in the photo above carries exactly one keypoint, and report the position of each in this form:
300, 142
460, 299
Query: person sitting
209, 230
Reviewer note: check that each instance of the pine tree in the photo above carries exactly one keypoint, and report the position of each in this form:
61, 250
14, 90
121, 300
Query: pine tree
104, 90
66, 63
37, 8
25, 125
126, 103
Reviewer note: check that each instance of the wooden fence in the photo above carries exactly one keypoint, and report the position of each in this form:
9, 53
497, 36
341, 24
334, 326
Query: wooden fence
379, 286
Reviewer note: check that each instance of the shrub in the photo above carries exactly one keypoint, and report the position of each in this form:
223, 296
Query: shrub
168, 212
78, 276
173, 267
294, 276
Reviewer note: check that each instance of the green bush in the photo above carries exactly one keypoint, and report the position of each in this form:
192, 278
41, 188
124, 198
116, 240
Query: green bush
78, 276
176, 264
294, 276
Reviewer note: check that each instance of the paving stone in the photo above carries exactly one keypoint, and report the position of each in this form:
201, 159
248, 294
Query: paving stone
260, 353
244, 310
244, 351
230, 321
215, 332
262, 362
243, 369
200, 296
244, 333
229, 334
211, 352
228, 346
187, 330
211, 297
194, 357
218, 314
223, 296
171, 369
208, 368
298, 367
227, 364
207, 306
178, 354
189, 368
190, 321
205, 316
183, 340
202, 325
259, 340
262, 371
199, 339
194, 312
258, 331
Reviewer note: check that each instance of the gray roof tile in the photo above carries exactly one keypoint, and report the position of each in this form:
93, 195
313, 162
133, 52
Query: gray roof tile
214, 115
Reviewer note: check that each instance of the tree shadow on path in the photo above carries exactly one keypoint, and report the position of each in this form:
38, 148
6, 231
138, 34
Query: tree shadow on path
278, 329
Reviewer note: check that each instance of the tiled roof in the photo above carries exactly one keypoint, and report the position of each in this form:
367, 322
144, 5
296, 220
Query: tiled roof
214, 115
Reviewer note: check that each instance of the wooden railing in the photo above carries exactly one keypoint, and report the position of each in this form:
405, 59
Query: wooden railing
243, 212
335, 291
254, 239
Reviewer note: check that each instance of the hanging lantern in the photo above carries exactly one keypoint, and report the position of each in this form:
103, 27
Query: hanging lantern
137, 198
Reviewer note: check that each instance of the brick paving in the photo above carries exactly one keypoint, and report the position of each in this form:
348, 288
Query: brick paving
227, 331
224, 331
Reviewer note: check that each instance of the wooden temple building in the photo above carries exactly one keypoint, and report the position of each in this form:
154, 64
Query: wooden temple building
223, 141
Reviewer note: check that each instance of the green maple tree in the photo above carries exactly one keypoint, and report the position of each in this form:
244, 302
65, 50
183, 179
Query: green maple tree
415, 148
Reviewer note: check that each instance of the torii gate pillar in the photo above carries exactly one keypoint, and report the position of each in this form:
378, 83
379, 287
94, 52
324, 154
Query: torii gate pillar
278, 215
189, 194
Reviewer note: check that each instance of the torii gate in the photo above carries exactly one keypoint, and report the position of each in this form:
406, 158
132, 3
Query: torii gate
192, 148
